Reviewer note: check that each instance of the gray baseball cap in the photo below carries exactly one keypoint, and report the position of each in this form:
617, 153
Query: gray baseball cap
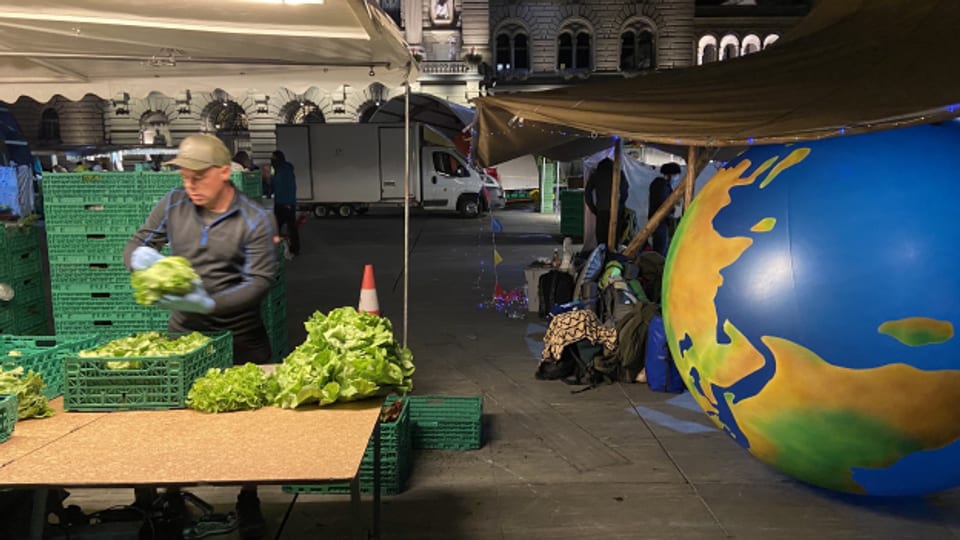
200, 152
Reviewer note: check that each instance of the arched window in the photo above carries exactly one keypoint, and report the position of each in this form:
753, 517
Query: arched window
707, 50
565, 51
302, 112
50, 126
227, 120
504, 56
512, 51
155, 129
770, 40
637, 50
521, 53
729, 47
751, 44
575, 47
584, 51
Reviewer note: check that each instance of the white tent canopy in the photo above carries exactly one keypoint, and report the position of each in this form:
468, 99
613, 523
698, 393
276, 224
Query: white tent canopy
102, 47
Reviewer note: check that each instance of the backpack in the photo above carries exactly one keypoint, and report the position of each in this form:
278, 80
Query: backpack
662, 374
554, 288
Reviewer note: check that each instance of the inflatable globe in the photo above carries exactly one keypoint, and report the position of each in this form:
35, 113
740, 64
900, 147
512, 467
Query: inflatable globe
810, 298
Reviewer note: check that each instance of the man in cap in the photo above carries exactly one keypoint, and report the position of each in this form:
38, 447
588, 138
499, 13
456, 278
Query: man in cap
229, 241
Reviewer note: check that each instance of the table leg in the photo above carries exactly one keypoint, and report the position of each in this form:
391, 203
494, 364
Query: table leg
376, 482
38, 518
358, 528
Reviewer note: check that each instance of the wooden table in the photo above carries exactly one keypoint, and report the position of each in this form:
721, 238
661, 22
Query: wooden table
187, 448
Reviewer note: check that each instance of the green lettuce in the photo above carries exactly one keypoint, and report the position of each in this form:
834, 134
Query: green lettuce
29, 391
233, 389
170, 275
346, 356
144, 345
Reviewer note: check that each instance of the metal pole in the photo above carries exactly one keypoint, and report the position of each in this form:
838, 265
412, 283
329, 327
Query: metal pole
691, 176
406, 208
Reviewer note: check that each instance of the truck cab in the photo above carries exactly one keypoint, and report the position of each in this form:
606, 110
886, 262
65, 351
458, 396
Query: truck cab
450, 184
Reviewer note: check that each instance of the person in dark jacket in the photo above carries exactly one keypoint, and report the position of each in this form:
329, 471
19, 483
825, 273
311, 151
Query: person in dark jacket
660, 190
597, 197
229, 240
285, 198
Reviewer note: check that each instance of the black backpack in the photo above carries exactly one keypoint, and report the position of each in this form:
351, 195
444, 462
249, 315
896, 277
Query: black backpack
554, 288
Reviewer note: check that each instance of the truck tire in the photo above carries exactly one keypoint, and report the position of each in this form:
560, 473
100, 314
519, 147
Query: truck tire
320, 211
345, 210
469, 206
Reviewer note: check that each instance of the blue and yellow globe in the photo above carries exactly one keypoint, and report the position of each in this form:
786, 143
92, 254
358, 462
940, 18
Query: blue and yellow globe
810, 299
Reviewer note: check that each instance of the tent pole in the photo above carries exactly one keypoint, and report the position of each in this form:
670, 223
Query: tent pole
406, 208
691, 175
615, 195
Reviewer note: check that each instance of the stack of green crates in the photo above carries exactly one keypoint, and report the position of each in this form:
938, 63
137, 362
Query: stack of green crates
396, 459
571, 213
90, 216
20, 268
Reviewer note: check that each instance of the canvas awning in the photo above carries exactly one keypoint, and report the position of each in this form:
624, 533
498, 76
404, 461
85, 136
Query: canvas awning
850, 66
75, 47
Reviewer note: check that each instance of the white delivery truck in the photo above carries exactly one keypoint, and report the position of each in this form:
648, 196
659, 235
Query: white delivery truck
347, 168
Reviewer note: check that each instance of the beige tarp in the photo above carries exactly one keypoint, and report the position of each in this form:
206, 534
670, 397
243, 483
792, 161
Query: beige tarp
75, 47
850, 66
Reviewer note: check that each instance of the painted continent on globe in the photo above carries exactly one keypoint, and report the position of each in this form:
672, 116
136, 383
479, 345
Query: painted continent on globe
810, 300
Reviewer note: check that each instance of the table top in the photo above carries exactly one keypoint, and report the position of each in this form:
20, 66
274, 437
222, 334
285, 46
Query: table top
185, 447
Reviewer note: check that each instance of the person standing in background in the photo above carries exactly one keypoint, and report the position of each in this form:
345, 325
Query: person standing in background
660, 190
597, 197
284, 183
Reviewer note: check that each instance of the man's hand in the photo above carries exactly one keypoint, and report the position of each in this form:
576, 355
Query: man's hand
195, 301
144, 257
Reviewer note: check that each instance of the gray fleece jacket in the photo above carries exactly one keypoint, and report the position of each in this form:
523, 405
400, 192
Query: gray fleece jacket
234, 255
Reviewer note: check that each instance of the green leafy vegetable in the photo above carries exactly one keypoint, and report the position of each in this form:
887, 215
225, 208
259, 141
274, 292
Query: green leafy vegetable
170, 275
347, 356
144, 345
29, 390
232, 389
14, 353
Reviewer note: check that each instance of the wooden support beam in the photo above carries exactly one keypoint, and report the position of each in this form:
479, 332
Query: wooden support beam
695, 163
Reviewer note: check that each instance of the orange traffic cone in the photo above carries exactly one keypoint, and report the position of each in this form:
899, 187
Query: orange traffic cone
368, 293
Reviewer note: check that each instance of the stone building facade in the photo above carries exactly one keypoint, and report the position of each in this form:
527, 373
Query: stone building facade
466, 48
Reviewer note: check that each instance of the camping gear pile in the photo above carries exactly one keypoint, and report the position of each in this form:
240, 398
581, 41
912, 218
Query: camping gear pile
605, 324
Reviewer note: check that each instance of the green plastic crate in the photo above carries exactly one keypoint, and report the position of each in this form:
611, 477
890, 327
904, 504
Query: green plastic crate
118, 305
8, 416
79, 218
160, 383
250, 183
446, 422
154, 185
396, 460
103, 246
106, 327
43, 355
91, 187
19, 252
90, 277
26, 313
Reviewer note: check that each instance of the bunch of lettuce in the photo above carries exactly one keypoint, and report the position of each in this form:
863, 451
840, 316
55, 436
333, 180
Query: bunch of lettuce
347, 356
29, 391
170, 275
144, 345
233, 389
